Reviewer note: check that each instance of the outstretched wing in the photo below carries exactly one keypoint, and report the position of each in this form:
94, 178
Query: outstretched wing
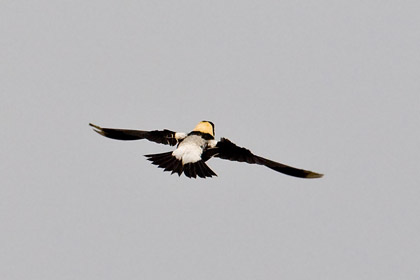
166, 137
225, 149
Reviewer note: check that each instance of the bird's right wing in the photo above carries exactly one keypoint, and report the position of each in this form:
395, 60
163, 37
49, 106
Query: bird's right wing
225, 149
165, 136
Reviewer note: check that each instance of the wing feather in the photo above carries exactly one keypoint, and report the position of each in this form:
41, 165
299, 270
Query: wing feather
165, 136
225, 149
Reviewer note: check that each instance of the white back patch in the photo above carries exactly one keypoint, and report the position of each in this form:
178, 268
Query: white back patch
190, 149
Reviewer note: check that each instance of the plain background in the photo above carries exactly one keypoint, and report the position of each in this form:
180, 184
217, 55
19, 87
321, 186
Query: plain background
329, 86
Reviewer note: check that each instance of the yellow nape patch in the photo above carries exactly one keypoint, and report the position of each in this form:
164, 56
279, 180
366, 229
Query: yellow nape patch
204, 127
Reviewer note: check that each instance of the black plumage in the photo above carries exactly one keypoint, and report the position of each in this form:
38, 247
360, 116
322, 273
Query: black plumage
165, 136
204, 131
170, 163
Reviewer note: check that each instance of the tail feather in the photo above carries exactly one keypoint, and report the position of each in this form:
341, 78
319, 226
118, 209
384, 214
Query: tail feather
200, 170
187, 170
211, 172
192, 170
156, 156
177, 168
205, 171
170, 163
167, 163
162, 162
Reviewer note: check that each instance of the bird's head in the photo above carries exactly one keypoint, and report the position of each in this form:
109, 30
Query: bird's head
205, 127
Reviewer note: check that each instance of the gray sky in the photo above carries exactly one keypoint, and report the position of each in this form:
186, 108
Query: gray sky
330, 86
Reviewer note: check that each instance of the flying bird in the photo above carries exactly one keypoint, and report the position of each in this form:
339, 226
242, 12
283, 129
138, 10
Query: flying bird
195, 148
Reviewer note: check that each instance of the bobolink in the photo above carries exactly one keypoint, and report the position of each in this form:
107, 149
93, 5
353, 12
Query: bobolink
195, 148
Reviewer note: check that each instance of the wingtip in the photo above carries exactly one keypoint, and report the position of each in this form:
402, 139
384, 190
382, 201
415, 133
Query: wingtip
97, 129
313, 175
95, 126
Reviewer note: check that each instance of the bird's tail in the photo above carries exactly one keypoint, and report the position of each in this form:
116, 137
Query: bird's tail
170, 163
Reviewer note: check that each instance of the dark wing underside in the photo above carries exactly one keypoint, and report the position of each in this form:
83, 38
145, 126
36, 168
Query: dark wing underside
225, 149
166, 137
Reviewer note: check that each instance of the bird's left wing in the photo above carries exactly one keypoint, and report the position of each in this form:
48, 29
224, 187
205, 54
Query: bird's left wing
225, 149
165, 136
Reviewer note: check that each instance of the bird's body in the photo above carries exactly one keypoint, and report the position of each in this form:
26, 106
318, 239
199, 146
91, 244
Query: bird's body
191, 149
195, 148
